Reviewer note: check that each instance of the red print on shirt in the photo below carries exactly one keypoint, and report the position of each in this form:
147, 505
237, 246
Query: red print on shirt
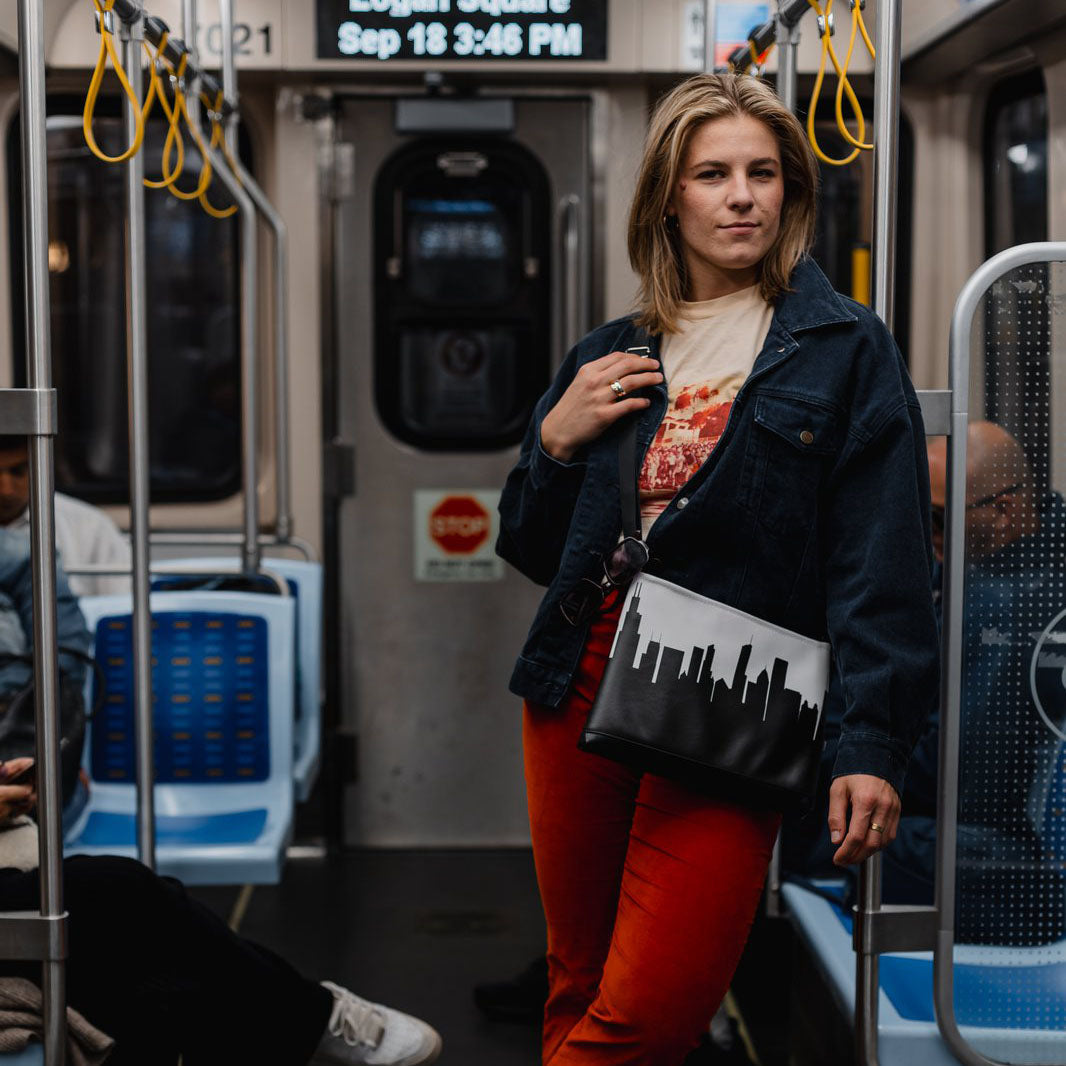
686, 436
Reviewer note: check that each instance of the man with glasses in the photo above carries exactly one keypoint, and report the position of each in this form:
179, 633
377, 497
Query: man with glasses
1015, 560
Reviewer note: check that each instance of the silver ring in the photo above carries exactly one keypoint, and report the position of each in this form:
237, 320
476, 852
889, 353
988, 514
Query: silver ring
616, 388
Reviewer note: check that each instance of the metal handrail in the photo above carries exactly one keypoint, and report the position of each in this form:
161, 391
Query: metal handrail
137, 405
42, 543
886, 144
272, 218
966, 308
249, 319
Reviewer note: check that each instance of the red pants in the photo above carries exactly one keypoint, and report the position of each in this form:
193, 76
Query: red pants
649, 890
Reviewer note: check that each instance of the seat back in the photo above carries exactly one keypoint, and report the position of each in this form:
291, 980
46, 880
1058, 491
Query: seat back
222, 698
305, 586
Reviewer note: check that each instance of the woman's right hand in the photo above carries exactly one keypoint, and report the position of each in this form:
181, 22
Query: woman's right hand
15, 799
590, 405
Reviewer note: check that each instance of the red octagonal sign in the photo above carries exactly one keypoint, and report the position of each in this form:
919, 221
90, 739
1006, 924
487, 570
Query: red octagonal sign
459, 524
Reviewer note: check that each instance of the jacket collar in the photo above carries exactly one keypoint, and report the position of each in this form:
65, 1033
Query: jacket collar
811, 302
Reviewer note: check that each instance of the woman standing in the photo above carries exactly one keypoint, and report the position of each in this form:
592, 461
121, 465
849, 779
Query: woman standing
783, 474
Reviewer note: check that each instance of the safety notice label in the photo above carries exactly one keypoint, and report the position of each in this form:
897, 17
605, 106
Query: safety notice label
455, 535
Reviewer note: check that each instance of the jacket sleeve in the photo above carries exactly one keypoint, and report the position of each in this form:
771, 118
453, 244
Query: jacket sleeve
70, 625
538, 499
877, 556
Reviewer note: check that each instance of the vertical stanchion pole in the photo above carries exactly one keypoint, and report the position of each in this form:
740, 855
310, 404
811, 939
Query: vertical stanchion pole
886, 166
250, 551
282, 474
787, 41
709, 7
137, 384
42, 511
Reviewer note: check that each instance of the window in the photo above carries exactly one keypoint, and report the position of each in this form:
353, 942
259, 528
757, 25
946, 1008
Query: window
193, 317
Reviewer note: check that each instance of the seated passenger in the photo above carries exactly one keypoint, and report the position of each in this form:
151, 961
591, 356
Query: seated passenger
164, 976
149, 966
1015, 553
16, 630
85, 536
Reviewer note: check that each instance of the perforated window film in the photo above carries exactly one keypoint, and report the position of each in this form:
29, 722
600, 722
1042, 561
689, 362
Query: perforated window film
1011, 853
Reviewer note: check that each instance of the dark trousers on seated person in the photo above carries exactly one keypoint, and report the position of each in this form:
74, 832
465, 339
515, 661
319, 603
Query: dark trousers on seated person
165, 976
649, 890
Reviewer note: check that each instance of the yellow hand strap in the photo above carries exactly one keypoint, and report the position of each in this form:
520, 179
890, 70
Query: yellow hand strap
218, 140
174, 139
205, 165
843, 86
107, 51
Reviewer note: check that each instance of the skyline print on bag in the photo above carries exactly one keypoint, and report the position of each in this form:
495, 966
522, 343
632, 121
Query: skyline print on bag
720, 657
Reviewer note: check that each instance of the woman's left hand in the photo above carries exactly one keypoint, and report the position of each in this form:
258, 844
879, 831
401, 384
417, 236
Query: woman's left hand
871, 802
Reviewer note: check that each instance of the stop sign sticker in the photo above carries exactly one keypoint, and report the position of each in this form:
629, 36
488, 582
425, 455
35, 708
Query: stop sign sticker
459, 524
455, 535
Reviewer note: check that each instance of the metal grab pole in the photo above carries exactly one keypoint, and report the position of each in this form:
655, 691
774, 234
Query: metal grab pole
42, 514
886, 165
709, 13
788, 38
250, 551
283, 479
137, 384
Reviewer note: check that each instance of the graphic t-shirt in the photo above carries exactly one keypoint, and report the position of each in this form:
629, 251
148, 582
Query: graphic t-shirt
705, 364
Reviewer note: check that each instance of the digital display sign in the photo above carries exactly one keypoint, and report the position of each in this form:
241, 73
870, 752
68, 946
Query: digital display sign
381, 30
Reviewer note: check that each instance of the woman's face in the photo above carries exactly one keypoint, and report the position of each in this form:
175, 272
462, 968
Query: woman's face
728, 204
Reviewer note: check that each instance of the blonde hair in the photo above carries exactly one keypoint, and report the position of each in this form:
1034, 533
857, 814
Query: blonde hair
654, 245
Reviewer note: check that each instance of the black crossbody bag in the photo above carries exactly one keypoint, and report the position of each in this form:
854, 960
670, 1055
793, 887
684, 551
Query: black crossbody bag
707, 695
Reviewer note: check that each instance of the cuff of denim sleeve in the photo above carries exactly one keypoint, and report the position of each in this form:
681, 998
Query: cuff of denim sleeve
871, 753
546, 468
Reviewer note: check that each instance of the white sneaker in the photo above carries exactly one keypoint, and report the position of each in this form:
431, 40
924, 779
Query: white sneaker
370, 1034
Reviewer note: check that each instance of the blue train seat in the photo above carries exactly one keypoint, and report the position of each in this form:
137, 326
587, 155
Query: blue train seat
305, 586
222, 685
993, 1014
32, 1056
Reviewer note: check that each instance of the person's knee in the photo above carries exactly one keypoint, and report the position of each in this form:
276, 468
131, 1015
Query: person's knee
117, 884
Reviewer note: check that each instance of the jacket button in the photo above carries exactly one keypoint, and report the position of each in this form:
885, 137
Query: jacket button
682, 503
807, 437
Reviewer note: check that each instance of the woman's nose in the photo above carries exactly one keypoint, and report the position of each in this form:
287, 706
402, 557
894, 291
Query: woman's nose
740, 193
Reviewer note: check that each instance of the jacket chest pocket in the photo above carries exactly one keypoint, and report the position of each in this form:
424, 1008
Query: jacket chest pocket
790, 449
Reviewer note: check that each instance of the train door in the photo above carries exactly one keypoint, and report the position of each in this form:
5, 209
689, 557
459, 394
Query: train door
461, 264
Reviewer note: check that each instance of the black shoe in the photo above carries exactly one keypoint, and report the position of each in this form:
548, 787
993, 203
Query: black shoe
520, 999
711, 1054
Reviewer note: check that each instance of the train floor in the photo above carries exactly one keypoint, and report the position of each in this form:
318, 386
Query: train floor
418, 929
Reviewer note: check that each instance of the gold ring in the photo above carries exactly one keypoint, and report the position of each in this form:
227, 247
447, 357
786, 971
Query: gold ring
616, 388
875, 828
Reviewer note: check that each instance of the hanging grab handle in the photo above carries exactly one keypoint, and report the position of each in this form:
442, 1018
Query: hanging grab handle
844, 86
174, 143
218, 140
107, 51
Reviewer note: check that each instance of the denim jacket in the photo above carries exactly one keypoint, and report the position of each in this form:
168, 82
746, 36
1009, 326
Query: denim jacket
16, 614
812, 513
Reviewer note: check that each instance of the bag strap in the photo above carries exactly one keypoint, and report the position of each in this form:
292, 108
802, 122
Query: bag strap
628, 474
627, 480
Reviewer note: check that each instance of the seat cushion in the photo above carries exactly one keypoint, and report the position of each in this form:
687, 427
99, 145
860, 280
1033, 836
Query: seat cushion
106, 829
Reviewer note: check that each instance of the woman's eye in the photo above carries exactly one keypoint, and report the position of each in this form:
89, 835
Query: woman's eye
763, 174
710, 174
